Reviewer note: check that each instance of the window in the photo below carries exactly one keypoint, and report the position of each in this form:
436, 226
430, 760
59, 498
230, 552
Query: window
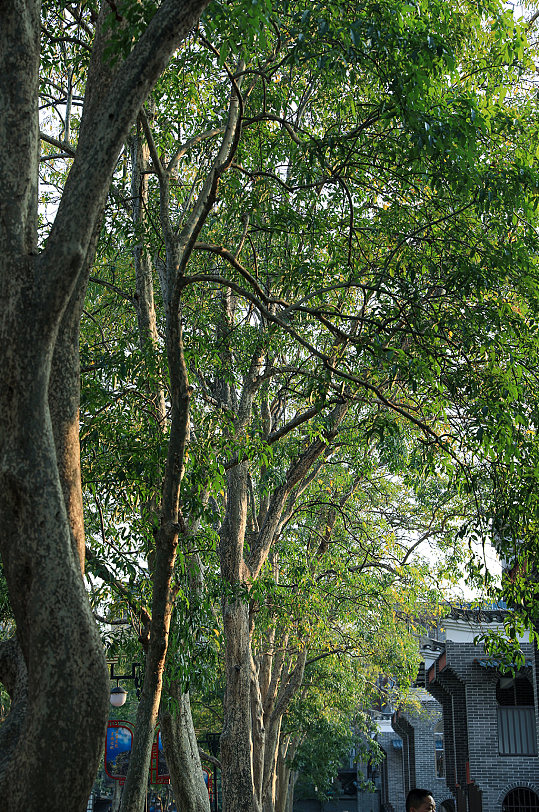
439, 750
516, 717
512, 692
521, 800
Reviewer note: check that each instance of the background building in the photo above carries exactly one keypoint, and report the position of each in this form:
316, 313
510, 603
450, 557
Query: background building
474, 737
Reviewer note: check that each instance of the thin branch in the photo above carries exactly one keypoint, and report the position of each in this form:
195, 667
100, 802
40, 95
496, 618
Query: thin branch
101, 619
340, 373
74, 40
328, 654
531, 21
63, 145
233, 77
112, 287
285, 124
229, 256
54, 156
106, 575
189, 144
272, 176
298, 420
158, 166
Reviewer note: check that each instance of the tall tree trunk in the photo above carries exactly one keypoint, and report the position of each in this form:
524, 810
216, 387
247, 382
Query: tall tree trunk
179, 248
270, 765
236, 757
14, 677
55, 627
258, 732
66, 670
286, 777
62, 734
183, 759
117, 797
179, 737
139, 763
241, 776
64, 401
238, 768
294, 775
171, 523
162, 560
273, 719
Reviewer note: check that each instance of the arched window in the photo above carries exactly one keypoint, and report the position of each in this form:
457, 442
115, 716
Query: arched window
439, 749
521, 799
516, 717
513, 692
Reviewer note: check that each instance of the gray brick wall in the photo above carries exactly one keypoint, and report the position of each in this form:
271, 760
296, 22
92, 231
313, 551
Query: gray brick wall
468, 694
478, 777
392, 770
419, 728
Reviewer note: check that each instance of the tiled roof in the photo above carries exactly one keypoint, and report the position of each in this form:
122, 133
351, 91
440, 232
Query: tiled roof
479, 615
492, 662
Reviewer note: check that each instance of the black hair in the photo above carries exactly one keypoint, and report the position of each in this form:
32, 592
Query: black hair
415, 796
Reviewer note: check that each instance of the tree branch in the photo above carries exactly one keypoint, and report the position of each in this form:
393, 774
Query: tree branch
296, 472
181, 149
113, 98
329, 365
298, 420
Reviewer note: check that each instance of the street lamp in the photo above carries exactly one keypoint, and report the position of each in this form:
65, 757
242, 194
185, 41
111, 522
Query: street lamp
118, 695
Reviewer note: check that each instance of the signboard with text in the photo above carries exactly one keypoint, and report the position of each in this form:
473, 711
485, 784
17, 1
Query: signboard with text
118, 745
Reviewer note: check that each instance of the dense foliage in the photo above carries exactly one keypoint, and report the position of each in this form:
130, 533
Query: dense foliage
308, 347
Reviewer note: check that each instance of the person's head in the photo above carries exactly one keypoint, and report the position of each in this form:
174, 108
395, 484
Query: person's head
420, 800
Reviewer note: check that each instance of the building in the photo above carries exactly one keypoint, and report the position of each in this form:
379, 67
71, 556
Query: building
490, 719
473, 739
392, 784
423, 761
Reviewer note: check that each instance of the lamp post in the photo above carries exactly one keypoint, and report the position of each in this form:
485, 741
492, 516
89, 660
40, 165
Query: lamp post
212, 740
118, 695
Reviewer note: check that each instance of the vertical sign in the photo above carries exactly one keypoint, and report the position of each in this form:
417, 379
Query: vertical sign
159, 768
118, 749
207, 772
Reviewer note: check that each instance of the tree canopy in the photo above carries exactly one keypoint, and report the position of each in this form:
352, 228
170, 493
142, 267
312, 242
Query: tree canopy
299, 243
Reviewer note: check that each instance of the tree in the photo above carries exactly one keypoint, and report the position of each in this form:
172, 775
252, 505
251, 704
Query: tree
42, 291
327, 723
327, 250
381, 317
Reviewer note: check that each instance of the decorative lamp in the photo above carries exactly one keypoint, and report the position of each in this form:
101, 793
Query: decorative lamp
117, 696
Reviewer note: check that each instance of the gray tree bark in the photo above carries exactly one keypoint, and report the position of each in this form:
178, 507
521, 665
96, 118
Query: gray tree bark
248, 774
117, 797
144, 293
274, 712
183, 758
